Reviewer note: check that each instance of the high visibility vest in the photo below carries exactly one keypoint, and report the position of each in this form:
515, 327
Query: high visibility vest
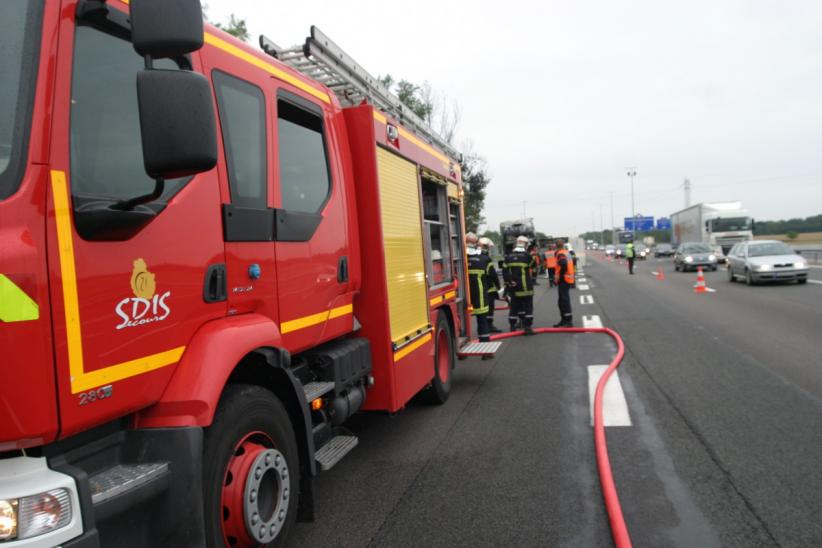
569, 269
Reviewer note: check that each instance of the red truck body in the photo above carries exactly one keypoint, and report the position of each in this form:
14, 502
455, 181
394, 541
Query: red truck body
125, 330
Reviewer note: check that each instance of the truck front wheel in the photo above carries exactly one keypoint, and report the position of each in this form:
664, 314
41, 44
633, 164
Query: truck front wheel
251, 472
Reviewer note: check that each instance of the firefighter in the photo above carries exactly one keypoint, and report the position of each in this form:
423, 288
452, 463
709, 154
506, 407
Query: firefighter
564, 279
494, 285
517, 269
479, 268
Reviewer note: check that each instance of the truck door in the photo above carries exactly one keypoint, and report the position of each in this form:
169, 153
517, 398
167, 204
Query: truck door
311, 232
126, 282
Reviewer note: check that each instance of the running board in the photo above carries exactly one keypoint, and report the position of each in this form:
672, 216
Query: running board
479, 349
334, 450
314, 390
123, 485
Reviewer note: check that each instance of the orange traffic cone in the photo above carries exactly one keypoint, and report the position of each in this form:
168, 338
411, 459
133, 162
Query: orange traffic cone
660, 274
700, 281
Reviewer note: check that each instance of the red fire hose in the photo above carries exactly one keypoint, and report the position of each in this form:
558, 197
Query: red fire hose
606, 479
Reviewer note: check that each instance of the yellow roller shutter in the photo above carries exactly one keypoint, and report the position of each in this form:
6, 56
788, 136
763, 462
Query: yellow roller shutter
402, 233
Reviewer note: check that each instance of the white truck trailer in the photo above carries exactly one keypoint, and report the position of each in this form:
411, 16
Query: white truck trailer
714, 223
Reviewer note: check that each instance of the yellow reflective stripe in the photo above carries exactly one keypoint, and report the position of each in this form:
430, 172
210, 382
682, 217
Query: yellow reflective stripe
380, 117
436, 300
405, 350
65, 246
124, 370
15, 305
81, 380
239, 53
450, 294
314, 319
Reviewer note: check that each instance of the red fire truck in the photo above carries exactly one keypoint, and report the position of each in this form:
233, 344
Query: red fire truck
208, 262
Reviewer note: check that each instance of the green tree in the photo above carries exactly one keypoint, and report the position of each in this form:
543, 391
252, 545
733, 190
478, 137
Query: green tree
235, 27
792, 235
474, 181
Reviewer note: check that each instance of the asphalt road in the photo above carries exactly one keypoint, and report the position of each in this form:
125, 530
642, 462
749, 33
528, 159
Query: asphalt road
724, 393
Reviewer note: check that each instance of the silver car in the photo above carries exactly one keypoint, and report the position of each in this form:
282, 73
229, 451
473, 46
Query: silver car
692, 255
766, 261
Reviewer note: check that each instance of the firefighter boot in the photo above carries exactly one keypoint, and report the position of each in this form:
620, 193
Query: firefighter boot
527, 323
513, 323
494, 329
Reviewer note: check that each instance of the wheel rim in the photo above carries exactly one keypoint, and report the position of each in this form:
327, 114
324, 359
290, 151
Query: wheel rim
255, 493
443, 356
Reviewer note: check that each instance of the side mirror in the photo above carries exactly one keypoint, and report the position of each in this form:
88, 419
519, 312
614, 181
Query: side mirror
177, 118
177, 123
166, 28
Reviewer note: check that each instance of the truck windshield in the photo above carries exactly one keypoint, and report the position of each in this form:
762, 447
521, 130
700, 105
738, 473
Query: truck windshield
19, 22
730, 224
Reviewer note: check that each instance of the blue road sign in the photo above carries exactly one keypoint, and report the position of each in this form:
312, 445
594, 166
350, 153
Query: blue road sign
663, 223
640, 224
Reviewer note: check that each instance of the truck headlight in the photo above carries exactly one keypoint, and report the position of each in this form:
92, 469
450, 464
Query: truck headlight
711, 258
764, 267
34, 515
689, 259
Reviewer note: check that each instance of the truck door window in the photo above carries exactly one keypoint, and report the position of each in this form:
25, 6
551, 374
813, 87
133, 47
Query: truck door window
435, 217
304, 176
241, 108
106, 146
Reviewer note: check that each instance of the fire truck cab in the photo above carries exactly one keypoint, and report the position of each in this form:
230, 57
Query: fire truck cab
209, 260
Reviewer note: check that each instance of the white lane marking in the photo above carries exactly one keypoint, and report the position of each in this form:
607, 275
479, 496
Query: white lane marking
655, 273
582, 279
591, 321
584, 287
614, 405
814, 282
586, 299
815, 266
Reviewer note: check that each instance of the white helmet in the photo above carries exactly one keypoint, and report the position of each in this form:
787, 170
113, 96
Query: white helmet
486, 242
523, 241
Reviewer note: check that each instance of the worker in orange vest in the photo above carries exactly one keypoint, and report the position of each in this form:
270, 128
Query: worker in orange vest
550, 267
564, 278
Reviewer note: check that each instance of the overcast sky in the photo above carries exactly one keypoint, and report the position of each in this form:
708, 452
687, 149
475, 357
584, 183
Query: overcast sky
560, 97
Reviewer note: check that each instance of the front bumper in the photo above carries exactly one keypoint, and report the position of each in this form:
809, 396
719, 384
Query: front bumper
24, 476
779, 276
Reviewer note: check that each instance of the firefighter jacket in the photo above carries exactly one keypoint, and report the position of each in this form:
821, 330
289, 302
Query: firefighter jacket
517, 272
480, 267
493, 279
564, 271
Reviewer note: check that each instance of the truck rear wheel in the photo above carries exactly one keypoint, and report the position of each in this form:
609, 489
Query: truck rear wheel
444, 359
251, 472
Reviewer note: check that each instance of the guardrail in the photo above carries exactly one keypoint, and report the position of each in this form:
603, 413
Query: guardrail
814, 256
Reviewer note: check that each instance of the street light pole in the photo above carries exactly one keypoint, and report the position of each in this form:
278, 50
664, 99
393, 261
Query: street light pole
632, 174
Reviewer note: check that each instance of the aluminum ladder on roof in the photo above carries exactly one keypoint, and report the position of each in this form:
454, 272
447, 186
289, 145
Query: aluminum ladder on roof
324, 61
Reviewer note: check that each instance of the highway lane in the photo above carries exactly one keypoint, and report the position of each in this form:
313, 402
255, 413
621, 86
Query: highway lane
725, 401
732, 379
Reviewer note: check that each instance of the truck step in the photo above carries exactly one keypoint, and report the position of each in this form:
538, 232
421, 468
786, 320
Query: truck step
314, 390
334, 450
479, 349
125, 479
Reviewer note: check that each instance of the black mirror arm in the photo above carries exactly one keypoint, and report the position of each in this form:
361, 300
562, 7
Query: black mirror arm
128, 205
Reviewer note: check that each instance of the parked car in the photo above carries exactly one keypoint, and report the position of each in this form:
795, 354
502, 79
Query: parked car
663, 250
610, 250
766, 261
720, 255
691, 255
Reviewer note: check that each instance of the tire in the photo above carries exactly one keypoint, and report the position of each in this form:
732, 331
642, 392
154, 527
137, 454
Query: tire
731, 277
748, 277
445, 355
676, 267
802, 281
250, 425
713, 269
